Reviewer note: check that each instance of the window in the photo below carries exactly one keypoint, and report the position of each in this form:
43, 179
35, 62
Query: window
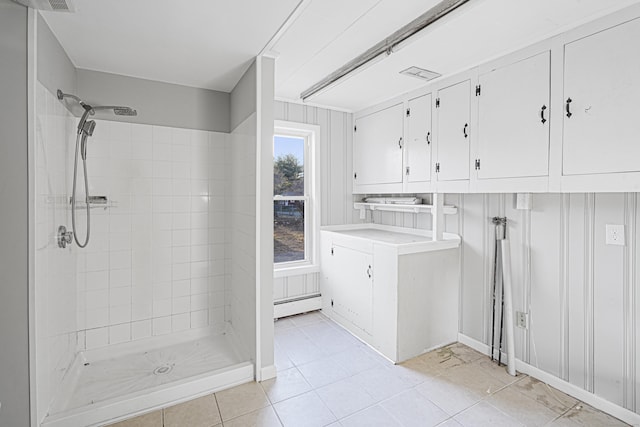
295, 207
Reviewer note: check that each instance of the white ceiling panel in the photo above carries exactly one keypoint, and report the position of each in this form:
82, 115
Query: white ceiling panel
474, 33
200, 43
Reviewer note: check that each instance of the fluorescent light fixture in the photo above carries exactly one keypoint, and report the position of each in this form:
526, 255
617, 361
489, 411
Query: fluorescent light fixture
386, 46
420, 73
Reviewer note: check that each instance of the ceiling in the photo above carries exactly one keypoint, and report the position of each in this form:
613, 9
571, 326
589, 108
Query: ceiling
198, 43
210, 43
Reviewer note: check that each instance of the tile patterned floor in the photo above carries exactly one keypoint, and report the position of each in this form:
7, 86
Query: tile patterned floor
326, 377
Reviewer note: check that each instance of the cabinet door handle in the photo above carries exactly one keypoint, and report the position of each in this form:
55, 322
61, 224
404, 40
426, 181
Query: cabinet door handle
428, 138
400, 143
542, 119
369, 272
464, 130
568, 108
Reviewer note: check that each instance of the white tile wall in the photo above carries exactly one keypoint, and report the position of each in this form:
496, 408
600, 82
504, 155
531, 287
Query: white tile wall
156, 258
55, 268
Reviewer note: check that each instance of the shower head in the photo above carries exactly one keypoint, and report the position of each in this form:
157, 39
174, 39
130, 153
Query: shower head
125, 111
83, 126
88, 127
117, 110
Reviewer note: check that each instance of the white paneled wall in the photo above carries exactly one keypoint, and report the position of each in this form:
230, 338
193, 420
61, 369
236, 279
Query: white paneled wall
581, 294
336, 201
241, 247
155, 263
55, 277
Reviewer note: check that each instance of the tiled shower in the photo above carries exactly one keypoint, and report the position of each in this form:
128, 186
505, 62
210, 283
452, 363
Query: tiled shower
158, 260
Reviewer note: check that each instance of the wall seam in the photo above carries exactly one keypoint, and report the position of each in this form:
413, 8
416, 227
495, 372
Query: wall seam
526, 230
565, 209
629, 298
589, 289
461, 261
486, 271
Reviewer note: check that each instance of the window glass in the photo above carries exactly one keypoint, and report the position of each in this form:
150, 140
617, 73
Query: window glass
288, 166
288, 230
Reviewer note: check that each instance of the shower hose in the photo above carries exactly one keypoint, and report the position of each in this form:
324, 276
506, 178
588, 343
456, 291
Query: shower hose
86, 190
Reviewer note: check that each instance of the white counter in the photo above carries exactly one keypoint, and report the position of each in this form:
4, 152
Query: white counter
394, 288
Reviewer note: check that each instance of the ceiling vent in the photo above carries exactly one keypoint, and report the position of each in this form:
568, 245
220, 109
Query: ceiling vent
49, 5
420, 73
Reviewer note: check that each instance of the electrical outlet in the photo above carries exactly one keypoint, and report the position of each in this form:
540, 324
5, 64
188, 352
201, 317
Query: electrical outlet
521, 319
615, 234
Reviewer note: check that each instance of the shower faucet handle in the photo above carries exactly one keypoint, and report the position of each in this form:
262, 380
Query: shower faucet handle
64, 237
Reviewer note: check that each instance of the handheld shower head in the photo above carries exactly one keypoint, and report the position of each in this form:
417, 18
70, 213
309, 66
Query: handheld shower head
88, 127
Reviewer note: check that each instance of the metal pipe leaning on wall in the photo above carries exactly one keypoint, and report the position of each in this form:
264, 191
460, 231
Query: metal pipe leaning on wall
508, 307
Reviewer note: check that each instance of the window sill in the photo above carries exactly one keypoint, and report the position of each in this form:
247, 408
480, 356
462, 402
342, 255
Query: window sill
297, 270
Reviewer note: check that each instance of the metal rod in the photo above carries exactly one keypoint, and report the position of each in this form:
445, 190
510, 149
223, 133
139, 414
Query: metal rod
386, 46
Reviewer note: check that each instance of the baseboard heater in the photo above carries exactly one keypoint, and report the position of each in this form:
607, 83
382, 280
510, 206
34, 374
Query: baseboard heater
297, 305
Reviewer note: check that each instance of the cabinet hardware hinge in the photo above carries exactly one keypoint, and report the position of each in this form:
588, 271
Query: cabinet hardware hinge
428, 139
478, 89
407, 170
477, 164
437, 167
408, 112
437, 102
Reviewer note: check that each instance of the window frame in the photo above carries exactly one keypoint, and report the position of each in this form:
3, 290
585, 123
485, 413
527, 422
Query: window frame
311, 198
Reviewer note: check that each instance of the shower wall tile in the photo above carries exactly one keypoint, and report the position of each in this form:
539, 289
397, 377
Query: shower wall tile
57, 271
156, 260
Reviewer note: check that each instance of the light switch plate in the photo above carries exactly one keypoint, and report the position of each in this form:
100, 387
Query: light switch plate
615, 234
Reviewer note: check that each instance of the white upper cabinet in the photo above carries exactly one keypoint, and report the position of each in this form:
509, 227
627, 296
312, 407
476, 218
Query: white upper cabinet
513, 119
378, 150
602, 102
453, 132
418, 143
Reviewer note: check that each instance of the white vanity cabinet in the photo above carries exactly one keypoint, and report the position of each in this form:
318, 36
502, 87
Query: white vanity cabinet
601, 111
377, 151
394, 288
513, 124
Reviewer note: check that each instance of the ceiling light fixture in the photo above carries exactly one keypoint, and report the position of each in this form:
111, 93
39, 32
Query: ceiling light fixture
420, 73
385, 47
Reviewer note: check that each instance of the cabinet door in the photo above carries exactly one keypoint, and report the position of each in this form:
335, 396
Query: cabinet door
452, 107
352, 276
513, 120
377, 147
601, 92
419, 137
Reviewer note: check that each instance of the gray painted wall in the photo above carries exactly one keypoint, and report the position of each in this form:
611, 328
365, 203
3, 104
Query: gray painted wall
243, 97
14, 282
158, 103
55, 69
265, 209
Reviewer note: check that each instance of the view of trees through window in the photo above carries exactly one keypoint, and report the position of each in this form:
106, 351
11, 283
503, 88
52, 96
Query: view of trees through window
289, 207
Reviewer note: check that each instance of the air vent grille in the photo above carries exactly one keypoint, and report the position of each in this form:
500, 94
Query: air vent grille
420, 73
59, 5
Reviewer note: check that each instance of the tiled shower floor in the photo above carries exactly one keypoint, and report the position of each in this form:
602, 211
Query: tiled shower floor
327, 377
105, 379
